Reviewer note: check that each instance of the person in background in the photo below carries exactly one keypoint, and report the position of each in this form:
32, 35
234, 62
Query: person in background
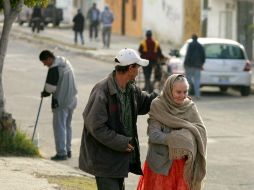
109, 145
79, 26
60, 82
107, 18
150, 49
93, 16
36, 19
176, 158
193, 64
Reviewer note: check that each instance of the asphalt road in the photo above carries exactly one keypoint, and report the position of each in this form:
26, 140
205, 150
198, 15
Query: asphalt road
228, 117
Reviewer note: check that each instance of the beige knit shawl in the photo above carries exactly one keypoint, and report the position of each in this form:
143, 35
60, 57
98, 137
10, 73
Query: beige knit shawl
189, 137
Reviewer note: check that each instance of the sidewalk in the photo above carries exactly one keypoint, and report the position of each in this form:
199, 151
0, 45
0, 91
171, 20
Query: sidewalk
64, 38
20, 173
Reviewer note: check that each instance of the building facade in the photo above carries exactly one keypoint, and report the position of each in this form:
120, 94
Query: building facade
171, 21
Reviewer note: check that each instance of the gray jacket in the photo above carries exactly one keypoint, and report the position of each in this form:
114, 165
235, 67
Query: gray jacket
104, 142
107, 18
158, 154
61, 83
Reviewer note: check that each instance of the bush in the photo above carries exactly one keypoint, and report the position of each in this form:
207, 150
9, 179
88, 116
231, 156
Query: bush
17, 145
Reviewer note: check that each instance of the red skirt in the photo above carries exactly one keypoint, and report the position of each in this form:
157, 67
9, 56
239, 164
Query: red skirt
173, 181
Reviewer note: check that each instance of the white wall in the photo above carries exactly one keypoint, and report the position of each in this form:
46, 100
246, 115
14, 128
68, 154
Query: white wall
67, 6
216, 18
165, 18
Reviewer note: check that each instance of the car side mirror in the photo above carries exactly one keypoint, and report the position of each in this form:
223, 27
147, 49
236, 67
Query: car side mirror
174, 52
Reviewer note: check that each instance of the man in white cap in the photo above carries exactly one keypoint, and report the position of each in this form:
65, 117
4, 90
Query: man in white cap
109, 146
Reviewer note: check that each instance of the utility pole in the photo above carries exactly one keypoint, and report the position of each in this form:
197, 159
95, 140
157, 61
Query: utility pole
123, 16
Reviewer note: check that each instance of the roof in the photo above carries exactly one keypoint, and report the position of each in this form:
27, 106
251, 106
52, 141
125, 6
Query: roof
216, 41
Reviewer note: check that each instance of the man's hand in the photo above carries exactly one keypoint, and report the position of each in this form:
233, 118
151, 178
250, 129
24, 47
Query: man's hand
44, 94
130, 148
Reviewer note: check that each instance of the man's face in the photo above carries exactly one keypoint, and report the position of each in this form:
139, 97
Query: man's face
133, 71
47, 62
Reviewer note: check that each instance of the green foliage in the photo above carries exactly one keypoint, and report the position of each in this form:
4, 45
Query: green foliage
17, 145
28, 3
32, 3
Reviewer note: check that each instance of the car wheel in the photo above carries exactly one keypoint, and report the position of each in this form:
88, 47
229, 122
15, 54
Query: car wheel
223, 89
245, 90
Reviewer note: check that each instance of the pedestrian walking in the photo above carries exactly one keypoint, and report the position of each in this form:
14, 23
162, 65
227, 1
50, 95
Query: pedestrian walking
193, 64
150, 49
109, 145
93, 16
107, 18
36, 19
60, 82
176, 157
79, 26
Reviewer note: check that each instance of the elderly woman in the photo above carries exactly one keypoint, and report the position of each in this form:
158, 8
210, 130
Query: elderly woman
176, 158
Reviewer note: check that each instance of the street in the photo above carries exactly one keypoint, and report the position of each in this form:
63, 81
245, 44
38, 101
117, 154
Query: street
228, 117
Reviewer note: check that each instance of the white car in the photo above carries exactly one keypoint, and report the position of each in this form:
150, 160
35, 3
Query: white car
226, 64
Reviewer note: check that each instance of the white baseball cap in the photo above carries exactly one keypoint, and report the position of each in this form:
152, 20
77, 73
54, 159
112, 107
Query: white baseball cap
128, 56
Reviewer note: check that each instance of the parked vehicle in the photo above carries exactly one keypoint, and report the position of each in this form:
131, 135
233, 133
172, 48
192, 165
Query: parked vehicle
53, 15
226, 64
50, 14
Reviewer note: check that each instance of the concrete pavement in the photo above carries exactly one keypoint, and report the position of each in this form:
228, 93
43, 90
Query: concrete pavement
20, 173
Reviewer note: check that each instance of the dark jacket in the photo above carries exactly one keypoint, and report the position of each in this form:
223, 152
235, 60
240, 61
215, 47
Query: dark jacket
150, 49
36, 12
195, 56
103, 145
79, 22
90, 16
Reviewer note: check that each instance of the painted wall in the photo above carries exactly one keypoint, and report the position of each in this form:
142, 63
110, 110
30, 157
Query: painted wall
67, 7
222, 19
133, 27
192, 18
116, 7
165, 18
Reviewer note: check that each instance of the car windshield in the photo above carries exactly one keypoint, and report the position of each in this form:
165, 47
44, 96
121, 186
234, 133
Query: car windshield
223, 51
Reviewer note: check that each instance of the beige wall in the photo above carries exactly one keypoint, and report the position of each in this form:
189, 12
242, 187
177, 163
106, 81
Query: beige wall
132, 27
192, 22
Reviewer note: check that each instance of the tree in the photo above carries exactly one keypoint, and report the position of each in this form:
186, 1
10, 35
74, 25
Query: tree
10, 8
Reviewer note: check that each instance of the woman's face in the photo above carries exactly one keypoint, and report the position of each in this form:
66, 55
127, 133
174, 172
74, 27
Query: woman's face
179, 92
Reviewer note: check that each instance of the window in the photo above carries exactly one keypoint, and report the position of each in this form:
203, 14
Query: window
223, 51
134, 10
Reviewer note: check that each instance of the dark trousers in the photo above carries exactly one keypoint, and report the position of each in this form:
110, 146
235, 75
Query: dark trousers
106, 34
93, 28
147, 74
80, 33
106, 183
36, 24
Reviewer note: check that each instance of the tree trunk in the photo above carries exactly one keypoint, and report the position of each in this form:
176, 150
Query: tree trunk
10, 14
